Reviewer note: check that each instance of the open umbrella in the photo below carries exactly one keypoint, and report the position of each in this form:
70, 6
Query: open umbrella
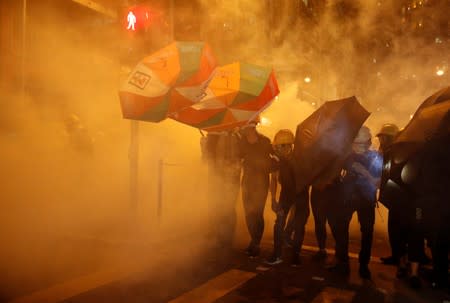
426, 123
167, 81
324, 140
438, 97
402, 162
236, 94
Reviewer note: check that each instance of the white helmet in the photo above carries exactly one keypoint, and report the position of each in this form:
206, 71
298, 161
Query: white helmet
363, 136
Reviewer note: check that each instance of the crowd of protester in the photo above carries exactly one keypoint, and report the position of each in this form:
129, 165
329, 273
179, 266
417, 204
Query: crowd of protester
247, 160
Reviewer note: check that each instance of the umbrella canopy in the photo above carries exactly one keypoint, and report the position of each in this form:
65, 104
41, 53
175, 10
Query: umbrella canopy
236, 94
438, 97
431, 121
426, 123
324, 140
167, 81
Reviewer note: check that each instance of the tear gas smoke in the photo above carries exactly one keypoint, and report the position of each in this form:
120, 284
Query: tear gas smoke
65, 190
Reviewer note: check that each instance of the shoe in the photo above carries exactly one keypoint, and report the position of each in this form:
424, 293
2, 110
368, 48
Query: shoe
296, 261
364, 272
389, 260
414, 282
402, 272
341, 268
253, 251
274, 260
320, 255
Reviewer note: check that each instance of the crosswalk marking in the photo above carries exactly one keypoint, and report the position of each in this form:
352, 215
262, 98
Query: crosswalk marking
331, 294
216, 287
68, 289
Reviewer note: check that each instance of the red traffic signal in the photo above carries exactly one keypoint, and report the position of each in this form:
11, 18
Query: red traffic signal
137, 18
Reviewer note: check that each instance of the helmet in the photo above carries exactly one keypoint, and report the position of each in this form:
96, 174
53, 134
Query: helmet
283, 136
363, 135
388, 129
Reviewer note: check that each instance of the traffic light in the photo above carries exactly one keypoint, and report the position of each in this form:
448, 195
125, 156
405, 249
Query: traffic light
138, 18
143, 30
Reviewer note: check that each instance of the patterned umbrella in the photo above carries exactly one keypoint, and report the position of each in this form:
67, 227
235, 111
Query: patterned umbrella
237, 93
167, 81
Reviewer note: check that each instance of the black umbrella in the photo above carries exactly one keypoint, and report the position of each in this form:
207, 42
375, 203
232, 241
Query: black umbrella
429, 124
438, 97
426, 123
324, 140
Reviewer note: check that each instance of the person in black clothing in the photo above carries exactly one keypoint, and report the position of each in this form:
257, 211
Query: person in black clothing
321, 198
360, 180
435, 174
324, 207
283, 144
385, 137
257, 154
430, 208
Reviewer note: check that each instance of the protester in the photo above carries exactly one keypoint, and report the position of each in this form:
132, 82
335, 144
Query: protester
386, 137
284, 175
257, 154
361, 176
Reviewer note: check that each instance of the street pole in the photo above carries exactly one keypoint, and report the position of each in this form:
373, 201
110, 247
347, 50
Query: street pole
171, 17
134, 164
24, 53
159, 190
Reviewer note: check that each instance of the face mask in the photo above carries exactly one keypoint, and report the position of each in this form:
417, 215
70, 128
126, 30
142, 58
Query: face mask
283, 150
360, 148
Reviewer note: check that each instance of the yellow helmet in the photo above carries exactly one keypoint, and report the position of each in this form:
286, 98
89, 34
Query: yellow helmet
388, 129
283, 136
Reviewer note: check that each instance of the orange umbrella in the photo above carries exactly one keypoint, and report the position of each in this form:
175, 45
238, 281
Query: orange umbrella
237, 93
167, 81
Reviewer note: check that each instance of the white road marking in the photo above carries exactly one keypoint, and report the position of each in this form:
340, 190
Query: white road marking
331, 294
216, 287
62, 291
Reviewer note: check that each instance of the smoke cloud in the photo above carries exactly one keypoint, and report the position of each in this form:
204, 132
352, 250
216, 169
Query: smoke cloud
64, 147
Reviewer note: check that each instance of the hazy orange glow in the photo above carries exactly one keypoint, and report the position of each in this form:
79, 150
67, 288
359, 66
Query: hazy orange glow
66, 207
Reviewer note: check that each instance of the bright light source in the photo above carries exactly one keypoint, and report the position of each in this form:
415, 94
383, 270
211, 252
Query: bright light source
265, 121
410, 116
307, 79
440, 72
